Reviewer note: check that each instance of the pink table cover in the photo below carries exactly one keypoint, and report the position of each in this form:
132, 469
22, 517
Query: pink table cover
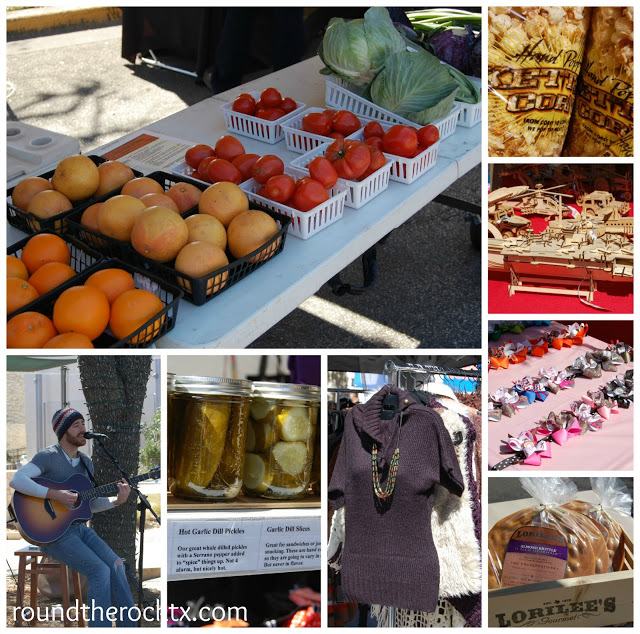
610, 449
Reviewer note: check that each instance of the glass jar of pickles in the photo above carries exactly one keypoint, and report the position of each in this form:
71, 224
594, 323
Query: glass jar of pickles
207, 431
280, 439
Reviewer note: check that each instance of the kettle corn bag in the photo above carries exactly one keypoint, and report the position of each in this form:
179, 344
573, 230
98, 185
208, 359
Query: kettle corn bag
602, 121
535, 54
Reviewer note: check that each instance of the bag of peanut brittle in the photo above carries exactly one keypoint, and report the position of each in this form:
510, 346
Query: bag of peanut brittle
545, 542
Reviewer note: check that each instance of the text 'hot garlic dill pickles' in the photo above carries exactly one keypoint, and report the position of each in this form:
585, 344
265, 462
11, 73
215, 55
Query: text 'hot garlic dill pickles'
535, 56
282, 433
208, 421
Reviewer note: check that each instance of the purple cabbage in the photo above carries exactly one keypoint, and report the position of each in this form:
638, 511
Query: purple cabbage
454, 46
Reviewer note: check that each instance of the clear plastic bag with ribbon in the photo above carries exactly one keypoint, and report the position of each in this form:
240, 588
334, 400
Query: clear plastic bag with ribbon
547, 541
613, 497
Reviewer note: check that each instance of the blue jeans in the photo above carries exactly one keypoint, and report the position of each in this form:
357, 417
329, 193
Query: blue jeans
81, 549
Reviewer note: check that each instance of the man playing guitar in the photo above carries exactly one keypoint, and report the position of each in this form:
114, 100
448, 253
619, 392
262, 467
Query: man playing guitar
80, 547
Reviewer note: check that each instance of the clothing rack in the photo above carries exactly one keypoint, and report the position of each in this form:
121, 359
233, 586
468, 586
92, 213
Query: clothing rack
404, 375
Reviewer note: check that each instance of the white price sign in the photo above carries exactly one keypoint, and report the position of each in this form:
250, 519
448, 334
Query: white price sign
210, 548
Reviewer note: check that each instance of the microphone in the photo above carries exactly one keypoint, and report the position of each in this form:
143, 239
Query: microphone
89, 435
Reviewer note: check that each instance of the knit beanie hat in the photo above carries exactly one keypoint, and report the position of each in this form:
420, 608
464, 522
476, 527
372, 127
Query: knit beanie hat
63, 419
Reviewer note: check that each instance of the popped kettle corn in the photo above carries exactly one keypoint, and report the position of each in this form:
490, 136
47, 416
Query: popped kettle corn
535, 55
602, 122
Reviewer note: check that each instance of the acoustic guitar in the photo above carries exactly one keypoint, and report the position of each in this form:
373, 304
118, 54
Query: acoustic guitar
41, 521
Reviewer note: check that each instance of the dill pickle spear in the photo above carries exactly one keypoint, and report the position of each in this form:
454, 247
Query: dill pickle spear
229, 473
202, 444
257, 477
294, 424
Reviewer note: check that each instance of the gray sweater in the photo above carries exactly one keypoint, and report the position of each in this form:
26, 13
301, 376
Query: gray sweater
53, 464
389, 556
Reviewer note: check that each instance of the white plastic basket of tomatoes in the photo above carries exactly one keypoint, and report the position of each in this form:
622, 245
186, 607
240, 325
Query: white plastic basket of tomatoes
309, 218
338, 95
413, 151
345, 155
315, 126
250, 115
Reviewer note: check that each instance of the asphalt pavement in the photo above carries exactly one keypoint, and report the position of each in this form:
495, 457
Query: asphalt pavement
428, 291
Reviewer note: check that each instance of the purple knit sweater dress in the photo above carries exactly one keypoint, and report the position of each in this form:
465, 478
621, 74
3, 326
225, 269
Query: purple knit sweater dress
389, 557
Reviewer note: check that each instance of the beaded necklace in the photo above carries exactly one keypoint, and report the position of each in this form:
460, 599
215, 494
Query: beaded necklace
393, 468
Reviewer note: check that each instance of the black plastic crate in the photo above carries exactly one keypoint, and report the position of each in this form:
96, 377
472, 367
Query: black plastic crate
199, 290
83, 258
169, 294
58, 223
117, 248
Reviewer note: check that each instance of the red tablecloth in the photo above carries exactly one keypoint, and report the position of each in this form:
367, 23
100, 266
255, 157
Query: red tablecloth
610, 449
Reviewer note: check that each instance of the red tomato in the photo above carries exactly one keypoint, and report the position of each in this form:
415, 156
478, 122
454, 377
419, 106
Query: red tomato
373, 128
245, 104
267, 166
195, 154
280, 188
428, 135
271, 98
336, 135
228, 148
203, 174
262, 192
245, 163
400, 140
309, 193
288, 105
323, 171
375, 141
377, 161
269, 114
346, 122
260, 105
330, 112
221, 170
419, 150
350, 158
317, 123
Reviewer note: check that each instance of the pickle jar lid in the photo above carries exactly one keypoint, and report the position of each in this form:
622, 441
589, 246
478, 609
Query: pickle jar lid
286, 391
206, 385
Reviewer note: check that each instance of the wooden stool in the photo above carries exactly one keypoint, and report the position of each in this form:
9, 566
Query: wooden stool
29, 564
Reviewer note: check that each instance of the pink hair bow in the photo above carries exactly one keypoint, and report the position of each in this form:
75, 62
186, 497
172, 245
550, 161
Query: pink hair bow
583, 413
533, 449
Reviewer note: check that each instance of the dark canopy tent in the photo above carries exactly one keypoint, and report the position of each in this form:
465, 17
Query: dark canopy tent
375, 364
17, 363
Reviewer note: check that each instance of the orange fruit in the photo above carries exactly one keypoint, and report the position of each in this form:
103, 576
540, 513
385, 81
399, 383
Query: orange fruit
29, 330
223, 201
112, 282
43, 248
117, 216
249, 231
16, 268
19, 294
82, 309
153, 200
113, 174
89, 217
76, 177
70, 340
26, 189
200, 258
131, 311
159, 233
140, 186
50, 276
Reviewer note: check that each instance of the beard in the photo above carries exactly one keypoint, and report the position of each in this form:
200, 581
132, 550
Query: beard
77, 441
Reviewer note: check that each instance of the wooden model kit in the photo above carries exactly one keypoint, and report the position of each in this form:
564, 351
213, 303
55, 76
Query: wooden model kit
574, 252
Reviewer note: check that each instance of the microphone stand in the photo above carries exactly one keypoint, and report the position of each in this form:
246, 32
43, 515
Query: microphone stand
143, 506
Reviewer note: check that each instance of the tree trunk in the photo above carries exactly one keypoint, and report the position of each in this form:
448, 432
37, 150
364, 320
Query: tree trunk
115, 388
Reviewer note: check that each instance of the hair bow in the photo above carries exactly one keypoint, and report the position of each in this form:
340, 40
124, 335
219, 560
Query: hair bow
582, 411
562, 427
515, 352
538, 348
533, 449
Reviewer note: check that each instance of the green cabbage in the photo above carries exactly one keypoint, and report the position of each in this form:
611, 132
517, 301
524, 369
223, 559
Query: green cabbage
356, 50
414, 85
